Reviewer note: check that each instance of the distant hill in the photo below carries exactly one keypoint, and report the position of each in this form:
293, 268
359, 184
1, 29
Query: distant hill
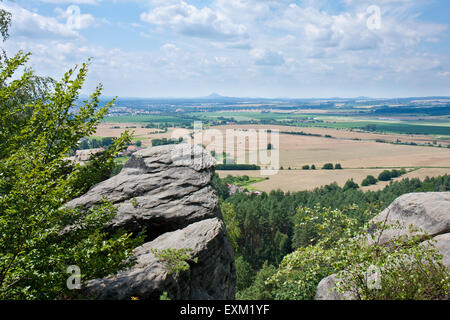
215, 95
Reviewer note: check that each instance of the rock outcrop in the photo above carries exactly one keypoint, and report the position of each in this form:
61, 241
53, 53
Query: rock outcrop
167, 190
163, 189
429, 212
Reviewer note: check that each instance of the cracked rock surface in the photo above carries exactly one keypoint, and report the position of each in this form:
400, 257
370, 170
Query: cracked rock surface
164, 188
167, 190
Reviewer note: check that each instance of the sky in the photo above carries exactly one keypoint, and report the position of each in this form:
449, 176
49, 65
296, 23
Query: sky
240, 48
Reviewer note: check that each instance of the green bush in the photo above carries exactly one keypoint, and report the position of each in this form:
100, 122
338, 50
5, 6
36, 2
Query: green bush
369, 180
328, 166
259, 290
350, 184
244, 167
385, 176
244, 274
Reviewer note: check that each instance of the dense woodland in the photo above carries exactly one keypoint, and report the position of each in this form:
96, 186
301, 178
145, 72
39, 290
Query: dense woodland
266, 228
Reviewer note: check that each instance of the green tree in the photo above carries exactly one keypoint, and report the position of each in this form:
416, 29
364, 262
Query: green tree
385, 176
350, 184
231, 223
5, 22
259, 290
244, 274
328, 166
369, 180
39, 237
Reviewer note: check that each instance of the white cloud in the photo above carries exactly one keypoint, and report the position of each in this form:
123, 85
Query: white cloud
72, 1
265, 57
34, 26
191, 21
256, 47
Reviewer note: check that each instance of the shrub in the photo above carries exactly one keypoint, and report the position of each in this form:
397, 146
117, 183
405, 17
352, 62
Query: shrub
259, 290
385, 176
305, 167
175, 260
369, 180
338, 166
237, 167
350, 184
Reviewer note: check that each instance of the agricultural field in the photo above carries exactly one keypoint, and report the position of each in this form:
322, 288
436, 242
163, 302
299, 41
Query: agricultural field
139, 133
349, 134
431, 126
298, 150
360, 153
299, 180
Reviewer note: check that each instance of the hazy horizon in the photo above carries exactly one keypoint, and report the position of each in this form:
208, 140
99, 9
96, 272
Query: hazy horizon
276, 98
241, 48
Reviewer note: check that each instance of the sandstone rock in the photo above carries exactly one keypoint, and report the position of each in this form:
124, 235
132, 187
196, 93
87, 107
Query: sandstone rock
168, 191
164, 188
213, 277
429, 212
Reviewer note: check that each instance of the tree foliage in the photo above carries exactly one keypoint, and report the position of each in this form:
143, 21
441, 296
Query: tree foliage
408, 269
39, 237
271, 225
175, 260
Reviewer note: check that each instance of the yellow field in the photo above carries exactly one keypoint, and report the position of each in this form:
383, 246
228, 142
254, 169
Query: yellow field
296, 151
299, 180
343, 133
143, 134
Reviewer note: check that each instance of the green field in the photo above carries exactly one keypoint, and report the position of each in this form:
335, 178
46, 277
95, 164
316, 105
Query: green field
147, 119
432, 127
250, 116
395, 127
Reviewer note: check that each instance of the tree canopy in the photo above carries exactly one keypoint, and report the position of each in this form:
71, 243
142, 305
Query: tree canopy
39, 237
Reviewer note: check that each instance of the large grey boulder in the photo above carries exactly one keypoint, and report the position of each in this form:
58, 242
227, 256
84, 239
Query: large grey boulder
164, 188
212, 277
429, 212
168, 191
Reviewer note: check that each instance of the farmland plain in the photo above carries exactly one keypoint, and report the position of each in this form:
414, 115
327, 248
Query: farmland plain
311, 137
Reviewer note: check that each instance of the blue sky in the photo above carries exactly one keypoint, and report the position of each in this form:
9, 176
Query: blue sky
251, 48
